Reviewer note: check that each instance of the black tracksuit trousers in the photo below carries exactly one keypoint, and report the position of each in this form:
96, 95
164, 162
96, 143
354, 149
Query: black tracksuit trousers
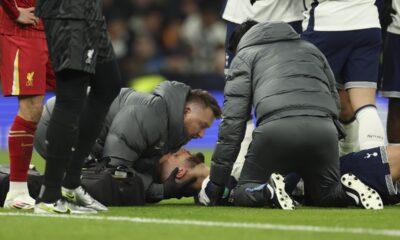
304, 144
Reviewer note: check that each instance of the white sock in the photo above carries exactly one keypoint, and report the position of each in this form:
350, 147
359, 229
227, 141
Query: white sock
370, 129
19, 187
350, 143
238, 165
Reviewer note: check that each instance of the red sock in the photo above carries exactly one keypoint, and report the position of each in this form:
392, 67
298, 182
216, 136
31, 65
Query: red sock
20, 145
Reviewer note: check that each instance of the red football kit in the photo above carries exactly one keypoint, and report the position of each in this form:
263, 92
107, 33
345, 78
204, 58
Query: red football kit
25, 67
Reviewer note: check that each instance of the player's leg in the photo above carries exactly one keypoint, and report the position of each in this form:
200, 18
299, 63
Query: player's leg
336, 52
350, 125
361, 74
105, 86
66, 44
393, 156
393, 120
24, 77
390, 86
20, 145
377, 167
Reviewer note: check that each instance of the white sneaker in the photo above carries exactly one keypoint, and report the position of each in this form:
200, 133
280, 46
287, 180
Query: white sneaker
62, 207
363, 195
19, 200
80, 197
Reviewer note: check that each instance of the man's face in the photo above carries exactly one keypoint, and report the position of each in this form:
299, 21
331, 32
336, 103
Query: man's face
180, 159
197, 119
177, 159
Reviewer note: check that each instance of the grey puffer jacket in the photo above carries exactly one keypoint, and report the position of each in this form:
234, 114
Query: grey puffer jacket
278, 74
139, 128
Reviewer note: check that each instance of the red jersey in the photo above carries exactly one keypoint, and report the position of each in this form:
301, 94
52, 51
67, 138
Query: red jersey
9, 13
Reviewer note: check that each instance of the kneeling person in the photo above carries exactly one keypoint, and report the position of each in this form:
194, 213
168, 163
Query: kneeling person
291, 86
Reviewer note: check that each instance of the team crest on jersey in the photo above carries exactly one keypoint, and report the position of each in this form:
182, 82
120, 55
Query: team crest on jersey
29, 79
369, 155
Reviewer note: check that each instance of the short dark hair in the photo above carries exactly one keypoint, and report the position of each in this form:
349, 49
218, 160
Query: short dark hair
206, 99
238, 34
196, 159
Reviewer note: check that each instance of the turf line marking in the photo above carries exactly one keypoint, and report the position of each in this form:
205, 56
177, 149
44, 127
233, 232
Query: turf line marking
266, 226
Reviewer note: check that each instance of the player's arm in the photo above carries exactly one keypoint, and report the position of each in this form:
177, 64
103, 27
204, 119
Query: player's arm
237, 108
20, 15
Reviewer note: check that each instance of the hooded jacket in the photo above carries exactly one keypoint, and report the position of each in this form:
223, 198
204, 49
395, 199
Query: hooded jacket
278, 74
139, 128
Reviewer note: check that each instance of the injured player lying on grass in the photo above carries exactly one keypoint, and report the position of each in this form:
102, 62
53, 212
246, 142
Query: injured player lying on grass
377, 167
113, 186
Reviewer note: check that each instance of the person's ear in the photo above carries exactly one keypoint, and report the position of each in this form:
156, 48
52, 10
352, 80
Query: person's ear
181, 173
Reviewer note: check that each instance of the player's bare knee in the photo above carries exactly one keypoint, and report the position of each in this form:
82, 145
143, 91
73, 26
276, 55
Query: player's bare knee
360, 97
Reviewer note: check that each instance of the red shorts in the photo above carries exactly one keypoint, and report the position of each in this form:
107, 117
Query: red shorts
25, 67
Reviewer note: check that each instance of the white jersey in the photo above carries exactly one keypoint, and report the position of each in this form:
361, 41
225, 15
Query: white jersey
342, 15
394, 27
238, 11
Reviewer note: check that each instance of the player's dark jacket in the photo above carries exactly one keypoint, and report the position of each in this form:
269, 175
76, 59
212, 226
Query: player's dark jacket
138, 130
278, 74
70, 9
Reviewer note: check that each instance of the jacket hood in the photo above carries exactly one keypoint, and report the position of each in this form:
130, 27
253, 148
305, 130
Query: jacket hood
267, 32
174, 95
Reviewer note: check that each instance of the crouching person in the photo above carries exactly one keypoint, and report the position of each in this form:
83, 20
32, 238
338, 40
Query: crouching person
138, 130
292, 89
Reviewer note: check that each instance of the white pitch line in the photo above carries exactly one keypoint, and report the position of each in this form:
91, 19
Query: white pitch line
266, 226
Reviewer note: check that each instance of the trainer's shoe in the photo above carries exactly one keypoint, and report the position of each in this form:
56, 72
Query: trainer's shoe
19, 200
280, 198
61, 207
80, 197
363, 195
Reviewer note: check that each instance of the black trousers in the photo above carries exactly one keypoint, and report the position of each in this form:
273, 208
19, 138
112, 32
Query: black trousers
303, 144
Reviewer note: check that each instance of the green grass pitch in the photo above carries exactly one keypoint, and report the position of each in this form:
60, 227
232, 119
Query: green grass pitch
180, 219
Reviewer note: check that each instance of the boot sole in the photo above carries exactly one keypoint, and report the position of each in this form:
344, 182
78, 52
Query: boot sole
282, 198
369, 198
